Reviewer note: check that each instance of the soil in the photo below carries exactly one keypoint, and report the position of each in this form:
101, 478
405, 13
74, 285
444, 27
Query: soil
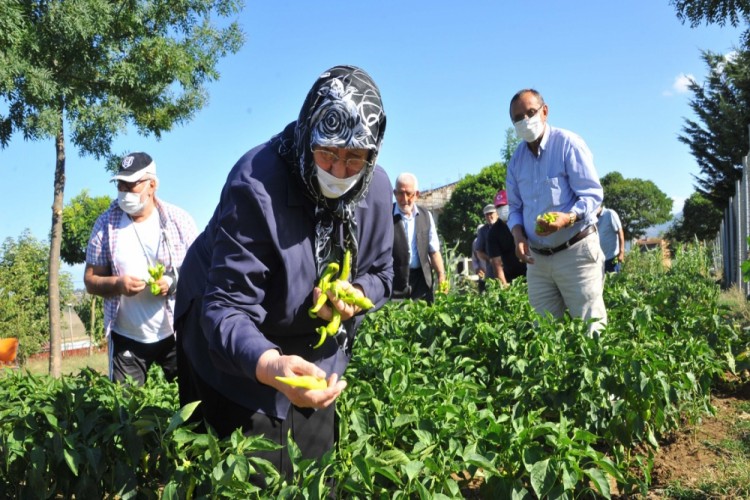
694, 454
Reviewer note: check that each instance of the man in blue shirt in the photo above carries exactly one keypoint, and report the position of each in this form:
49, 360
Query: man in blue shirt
554, 192
612, 239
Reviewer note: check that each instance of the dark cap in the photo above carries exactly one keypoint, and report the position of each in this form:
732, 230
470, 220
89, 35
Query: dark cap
134, 166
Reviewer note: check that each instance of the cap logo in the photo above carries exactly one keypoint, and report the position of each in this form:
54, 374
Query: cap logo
127, 161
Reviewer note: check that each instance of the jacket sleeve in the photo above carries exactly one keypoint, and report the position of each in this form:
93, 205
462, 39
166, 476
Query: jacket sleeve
242, 261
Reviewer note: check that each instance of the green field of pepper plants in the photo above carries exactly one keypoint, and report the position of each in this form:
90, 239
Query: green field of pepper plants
472, 397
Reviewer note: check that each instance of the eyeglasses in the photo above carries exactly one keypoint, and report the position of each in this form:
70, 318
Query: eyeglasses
325, 158
528, 115
407, 194
129, 187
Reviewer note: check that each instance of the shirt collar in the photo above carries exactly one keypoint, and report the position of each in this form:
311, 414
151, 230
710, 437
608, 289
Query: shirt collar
397, 211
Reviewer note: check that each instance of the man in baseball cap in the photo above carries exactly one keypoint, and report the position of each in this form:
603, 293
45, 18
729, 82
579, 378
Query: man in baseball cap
490, 217
134, 166
132, 260
501, 248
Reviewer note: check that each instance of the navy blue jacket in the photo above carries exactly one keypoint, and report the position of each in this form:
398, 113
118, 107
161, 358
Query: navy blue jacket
251, 274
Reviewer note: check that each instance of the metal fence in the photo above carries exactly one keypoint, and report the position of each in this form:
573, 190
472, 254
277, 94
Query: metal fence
731, 245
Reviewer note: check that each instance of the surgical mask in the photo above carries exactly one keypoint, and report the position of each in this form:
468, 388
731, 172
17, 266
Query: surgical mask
130, 203
530, 129
503, 212
333, 187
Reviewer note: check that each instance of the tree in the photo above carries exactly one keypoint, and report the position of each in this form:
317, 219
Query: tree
463, 212
79, 216
640, 204
511, 144
96, 67
719, 140
712, 11
700, 219
24, 311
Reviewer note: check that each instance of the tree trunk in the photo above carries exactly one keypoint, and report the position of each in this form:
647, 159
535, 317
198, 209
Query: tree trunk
92, 328
55, 353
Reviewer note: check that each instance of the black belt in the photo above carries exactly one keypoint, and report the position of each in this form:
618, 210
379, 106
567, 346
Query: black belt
572, 241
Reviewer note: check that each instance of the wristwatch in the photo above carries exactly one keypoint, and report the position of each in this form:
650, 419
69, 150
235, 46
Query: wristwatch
573, 218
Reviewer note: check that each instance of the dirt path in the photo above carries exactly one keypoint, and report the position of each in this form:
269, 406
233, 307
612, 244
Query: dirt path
694, 454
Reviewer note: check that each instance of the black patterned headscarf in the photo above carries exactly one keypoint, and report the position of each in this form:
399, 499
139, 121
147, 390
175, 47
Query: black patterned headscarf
343, 109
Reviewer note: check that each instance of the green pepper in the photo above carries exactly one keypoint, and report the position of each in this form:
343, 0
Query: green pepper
327, 284
330, 329
323, 284
346, 268
305, 382
156, 272
547, 217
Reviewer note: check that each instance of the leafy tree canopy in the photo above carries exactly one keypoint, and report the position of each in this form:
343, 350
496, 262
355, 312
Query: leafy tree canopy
103, 63
712, 11
24, 311
639, 203
700, 219
463, 212
719, 138
79, 216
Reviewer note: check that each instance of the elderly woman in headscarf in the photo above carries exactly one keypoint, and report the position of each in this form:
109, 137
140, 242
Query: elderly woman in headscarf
288, 208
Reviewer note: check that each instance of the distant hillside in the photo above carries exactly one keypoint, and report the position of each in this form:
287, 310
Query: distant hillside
655, 231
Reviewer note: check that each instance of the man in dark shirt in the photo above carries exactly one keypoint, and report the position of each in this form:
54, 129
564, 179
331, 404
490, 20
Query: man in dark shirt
500, 246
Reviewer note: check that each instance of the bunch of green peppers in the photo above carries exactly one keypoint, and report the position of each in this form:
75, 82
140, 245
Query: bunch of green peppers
156, 272
336, 285
546, 217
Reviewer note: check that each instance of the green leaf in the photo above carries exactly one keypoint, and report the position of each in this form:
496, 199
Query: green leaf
446, 319
181, 416
600, 481
542, 477
405, 419
480, 461
412, 469
394, 457
72, 458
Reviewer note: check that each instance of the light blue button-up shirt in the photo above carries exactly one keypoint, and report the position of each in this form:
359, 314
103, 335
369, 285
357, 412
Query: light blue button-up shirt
561, 179
409, 224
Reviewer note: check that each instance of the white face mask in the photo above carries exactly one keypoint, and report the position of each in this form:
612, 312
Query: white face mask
530, 129
130, 203
503, 212
333, 187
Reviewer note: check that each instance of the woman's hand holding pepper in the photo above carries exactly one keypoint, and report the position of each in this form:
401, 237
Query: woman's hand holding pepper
272, 364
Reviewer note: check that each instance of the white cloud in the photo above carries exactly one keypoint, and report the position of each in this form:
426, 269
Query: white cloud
677, 204
682, 83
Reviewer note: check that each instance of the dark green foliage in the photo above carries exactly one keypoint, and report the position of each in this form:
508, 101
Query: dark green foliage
24, 284
79, 216
458, 223
480, 381
639, 203
475, 386
721, 12
718, 139
101, 64
700, 220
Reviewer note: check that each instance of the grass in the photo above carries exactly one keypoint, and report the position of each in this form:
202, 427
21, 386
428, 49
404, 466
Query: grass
733, 479
71, 365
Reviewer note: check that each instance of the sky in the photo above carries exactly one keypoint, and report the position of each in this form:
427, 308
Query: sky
613, 72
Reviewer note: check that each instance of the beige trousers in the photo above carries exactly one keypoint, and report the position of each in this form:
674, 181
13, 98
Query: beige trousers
572, 278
